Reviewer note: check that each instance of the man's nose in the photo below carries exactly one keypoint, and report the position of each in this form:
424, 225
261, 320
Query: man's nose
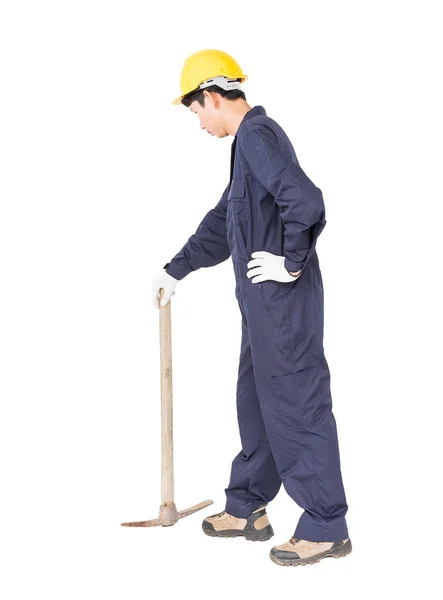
202, 126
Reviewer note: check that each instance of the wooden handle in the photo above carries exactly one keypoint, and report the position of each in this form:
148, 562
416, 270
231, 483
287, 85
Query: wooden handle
167, 451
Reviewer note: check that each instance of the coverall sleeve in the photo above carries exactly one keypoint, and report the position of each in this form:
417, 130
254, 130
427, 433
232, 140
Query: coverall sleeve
207, 247
300, 201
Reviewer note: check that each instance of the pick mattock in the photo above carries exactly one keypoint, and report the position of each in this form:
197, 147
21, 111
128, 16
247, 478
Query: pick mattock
168, 511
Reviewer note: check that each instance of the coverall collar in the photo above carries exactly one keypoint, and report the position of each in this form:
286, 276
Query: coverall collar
252, 112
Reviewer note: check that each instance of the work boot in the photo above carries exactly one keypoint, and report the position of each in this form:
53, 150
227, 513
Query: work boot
302, 552
255, 527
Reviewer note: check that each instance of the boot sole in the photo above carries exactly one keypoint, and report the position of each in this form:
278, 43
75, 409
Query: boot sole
259, 535
337, 553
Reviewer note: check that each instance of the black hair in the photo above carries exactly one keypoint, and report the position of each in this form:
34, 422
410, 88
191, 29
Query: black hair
199, 96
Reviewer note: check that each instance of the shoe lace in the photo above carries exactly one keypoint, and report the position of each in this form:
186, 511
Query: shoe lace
220, 513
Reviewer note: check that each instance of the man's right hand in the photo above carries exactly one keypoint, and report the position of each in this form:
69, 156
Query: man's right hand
168, 283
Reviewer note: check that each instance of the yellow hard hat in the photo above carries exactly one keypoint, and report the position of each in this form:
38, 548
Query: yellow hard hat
213, 65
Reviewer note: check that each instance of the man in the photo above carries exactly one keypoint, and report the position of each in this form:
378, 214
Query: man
268, 220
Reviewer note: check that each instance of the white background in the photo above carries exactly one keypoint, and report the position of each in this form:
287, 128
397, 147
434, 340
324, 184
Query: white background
102, 181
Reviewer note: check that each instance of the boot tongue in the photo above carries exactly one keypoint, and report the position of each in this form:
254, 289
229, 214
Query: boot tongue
294, 540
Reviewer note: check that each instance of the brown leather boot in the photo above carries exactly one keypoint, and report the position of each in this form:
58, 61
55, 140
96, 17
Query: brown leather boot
255, 527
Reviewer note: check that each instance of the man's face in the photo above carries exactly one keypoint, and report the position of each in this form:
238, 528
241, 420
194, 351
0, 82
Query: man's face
209, 116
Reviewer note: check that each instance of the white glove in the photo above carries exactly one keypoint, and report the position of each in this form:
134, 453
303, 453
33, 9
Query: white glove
265, 266
168, 283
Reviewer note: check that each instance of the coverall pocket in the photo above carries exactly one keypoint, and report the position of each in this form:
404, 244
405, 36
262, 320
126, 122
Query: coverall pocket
299, 397
238, 201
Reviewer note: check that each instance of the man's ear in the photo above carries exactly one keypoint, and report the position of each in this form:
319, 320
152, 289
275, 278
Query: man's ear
210, 100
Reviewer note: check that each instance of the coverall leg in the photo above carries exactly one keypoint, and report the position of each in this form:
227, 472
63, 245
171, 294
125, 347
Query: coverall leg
290, 375
254, 477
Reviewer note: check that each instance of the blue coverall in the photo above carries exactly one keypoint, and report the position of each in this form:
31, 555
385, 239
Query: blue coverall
284, 406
